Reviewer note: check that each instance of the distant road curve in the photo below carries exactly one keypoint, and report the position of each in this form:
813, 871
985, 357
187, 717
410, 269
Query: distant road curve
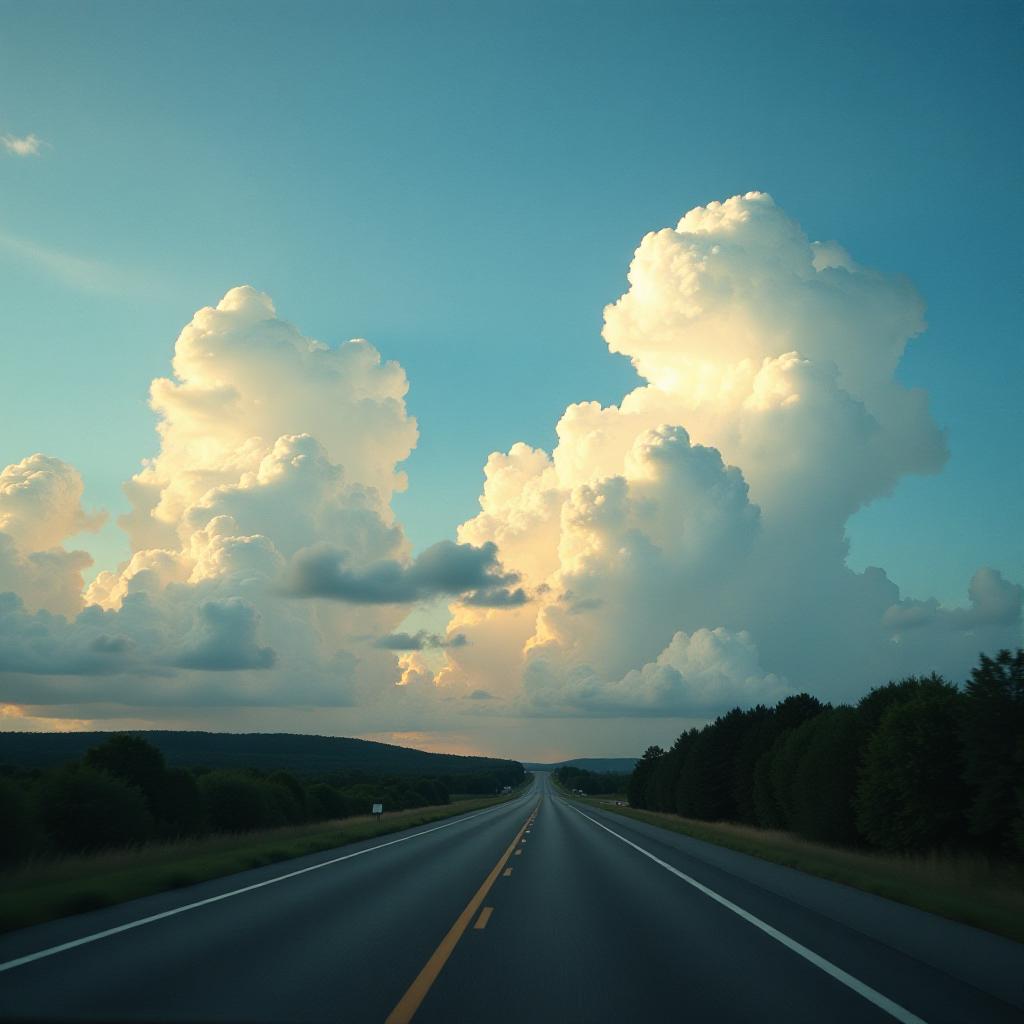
534, 910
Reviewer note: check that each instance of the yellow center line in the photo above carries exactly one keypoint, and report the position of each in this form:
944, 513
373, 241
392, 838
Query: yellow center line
417, 991
485, 916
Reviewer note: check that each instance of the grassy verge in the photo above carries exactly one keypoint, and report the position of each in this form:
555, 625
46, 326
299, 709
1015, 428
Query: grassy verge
45, 889
971, 889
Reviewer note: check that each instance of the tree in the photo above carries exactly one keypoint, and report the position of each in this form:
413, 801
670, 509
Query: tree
757, 738
637, 788
18, 833
911, 795
825, 782
85, 809
788, 715
327, 801
180, 805
133, 760
236, 802
992, 733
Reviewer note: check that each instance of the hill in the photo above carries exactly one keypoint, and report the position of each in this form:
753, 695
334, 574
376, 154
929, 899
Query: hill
305, 755
590, 764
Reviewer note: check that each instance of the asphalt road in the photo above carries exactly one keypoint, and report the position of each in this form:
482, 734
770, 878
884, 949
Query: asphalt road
536, 910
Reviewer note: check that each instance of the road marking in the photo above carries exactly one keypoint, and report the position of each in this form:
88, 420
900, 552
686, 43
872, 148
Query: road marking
508, 872
519, 853
882, 1002
485, 916
54, 950
417, 991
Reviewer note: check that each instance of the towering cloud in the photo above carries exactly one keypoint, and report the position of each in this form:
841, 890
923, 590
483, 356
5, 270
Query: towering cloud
272, 445
688, 544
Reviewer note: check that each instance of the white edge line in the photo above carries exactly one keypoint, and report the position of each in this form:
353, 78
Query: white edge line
882, 1002
96, 936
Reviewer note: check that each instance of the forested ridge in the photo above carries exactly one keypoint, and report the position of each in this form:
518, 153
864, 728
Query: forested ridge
916, 765
265, 751
122, 792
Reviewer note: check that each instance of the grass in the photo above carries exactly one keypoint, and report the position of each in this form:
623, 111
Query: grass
44, 889
968, 888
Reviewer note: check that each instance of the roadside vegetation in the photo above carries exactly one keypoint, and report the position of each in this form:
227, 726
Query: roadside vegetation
915, 793
119, 823
51, 887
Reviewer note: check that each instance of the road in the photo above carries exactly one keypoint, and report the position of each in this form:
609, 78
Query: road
539, 909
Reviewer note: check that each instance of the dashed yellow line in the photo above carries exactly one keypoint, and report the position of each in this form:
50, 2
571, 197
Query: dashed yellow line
485, 916
417, 991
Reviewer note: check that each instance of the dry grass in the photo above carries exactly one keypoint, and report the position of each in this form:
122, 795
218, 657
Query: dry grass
43, 889
969, 888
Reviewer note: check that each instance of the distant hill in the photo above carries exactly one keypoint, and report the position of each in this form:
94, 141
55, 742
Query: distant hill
590, 764
266, 751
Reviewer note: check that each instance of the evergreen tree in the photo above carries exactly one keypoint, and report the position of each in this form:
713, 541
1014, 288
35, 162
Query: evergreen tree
637, 788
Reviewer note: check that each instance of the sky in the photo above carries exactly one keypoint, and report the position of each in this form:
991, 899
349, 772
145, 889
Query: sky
777, 244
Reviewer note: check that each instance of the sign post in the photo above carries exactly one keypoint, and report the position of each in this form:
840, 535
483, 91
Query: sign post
378, 810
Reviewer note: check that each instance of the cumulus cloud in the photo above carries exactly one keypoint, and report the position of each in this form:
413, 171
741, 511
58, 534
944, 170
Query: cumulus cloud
687, 546
271, 443
693, 675
26, 145
40, 503
41, 508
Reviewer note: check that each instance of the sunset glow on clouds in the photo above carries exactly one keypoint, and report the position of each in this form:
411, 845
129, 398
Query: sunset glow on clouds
675, 554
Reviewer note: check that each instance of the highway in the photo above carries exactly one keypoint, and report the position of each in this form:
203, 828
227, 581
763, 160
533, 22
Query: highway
539, 909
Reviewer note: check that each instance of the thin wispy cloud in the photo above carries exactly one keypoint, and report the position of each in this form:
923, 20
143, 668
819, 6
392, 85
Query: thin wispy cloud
26, 145
78, 272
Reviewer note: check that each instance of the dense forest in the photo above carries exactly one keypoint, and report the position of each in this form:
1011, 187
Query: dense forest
916, 765
264, 751
122, 792
582, 780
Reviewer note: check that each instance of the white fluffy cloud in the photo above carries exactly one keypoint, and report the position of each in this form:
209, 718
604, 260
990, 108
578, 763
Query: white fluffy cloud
688, 544
41, 508
271, 445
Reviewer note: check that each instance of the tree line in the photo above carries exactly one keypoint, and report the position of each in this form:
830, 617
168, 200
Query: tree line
916, 765
590, 783
122, 793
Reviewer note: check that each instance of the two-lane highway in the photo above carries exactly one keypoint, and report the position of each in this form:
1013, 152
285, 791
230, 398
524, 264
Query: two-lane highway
538, 910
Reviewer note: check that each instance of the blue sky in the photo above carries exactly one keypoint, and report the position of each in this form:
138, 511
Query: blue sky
464, 184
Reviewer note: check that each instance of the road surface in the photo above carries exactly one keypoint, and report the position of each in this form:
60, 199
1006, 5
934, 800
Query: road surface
536, 910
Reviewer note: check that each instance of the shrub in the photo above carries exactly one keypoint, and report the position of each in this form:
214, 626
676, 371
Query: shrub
18, 831
238, 803
85, 809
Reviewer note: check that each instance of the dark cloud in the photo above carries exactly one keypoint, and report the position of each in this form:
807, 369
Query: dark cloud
226, 639
419, 641
496, 597
481, 695
445, 569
